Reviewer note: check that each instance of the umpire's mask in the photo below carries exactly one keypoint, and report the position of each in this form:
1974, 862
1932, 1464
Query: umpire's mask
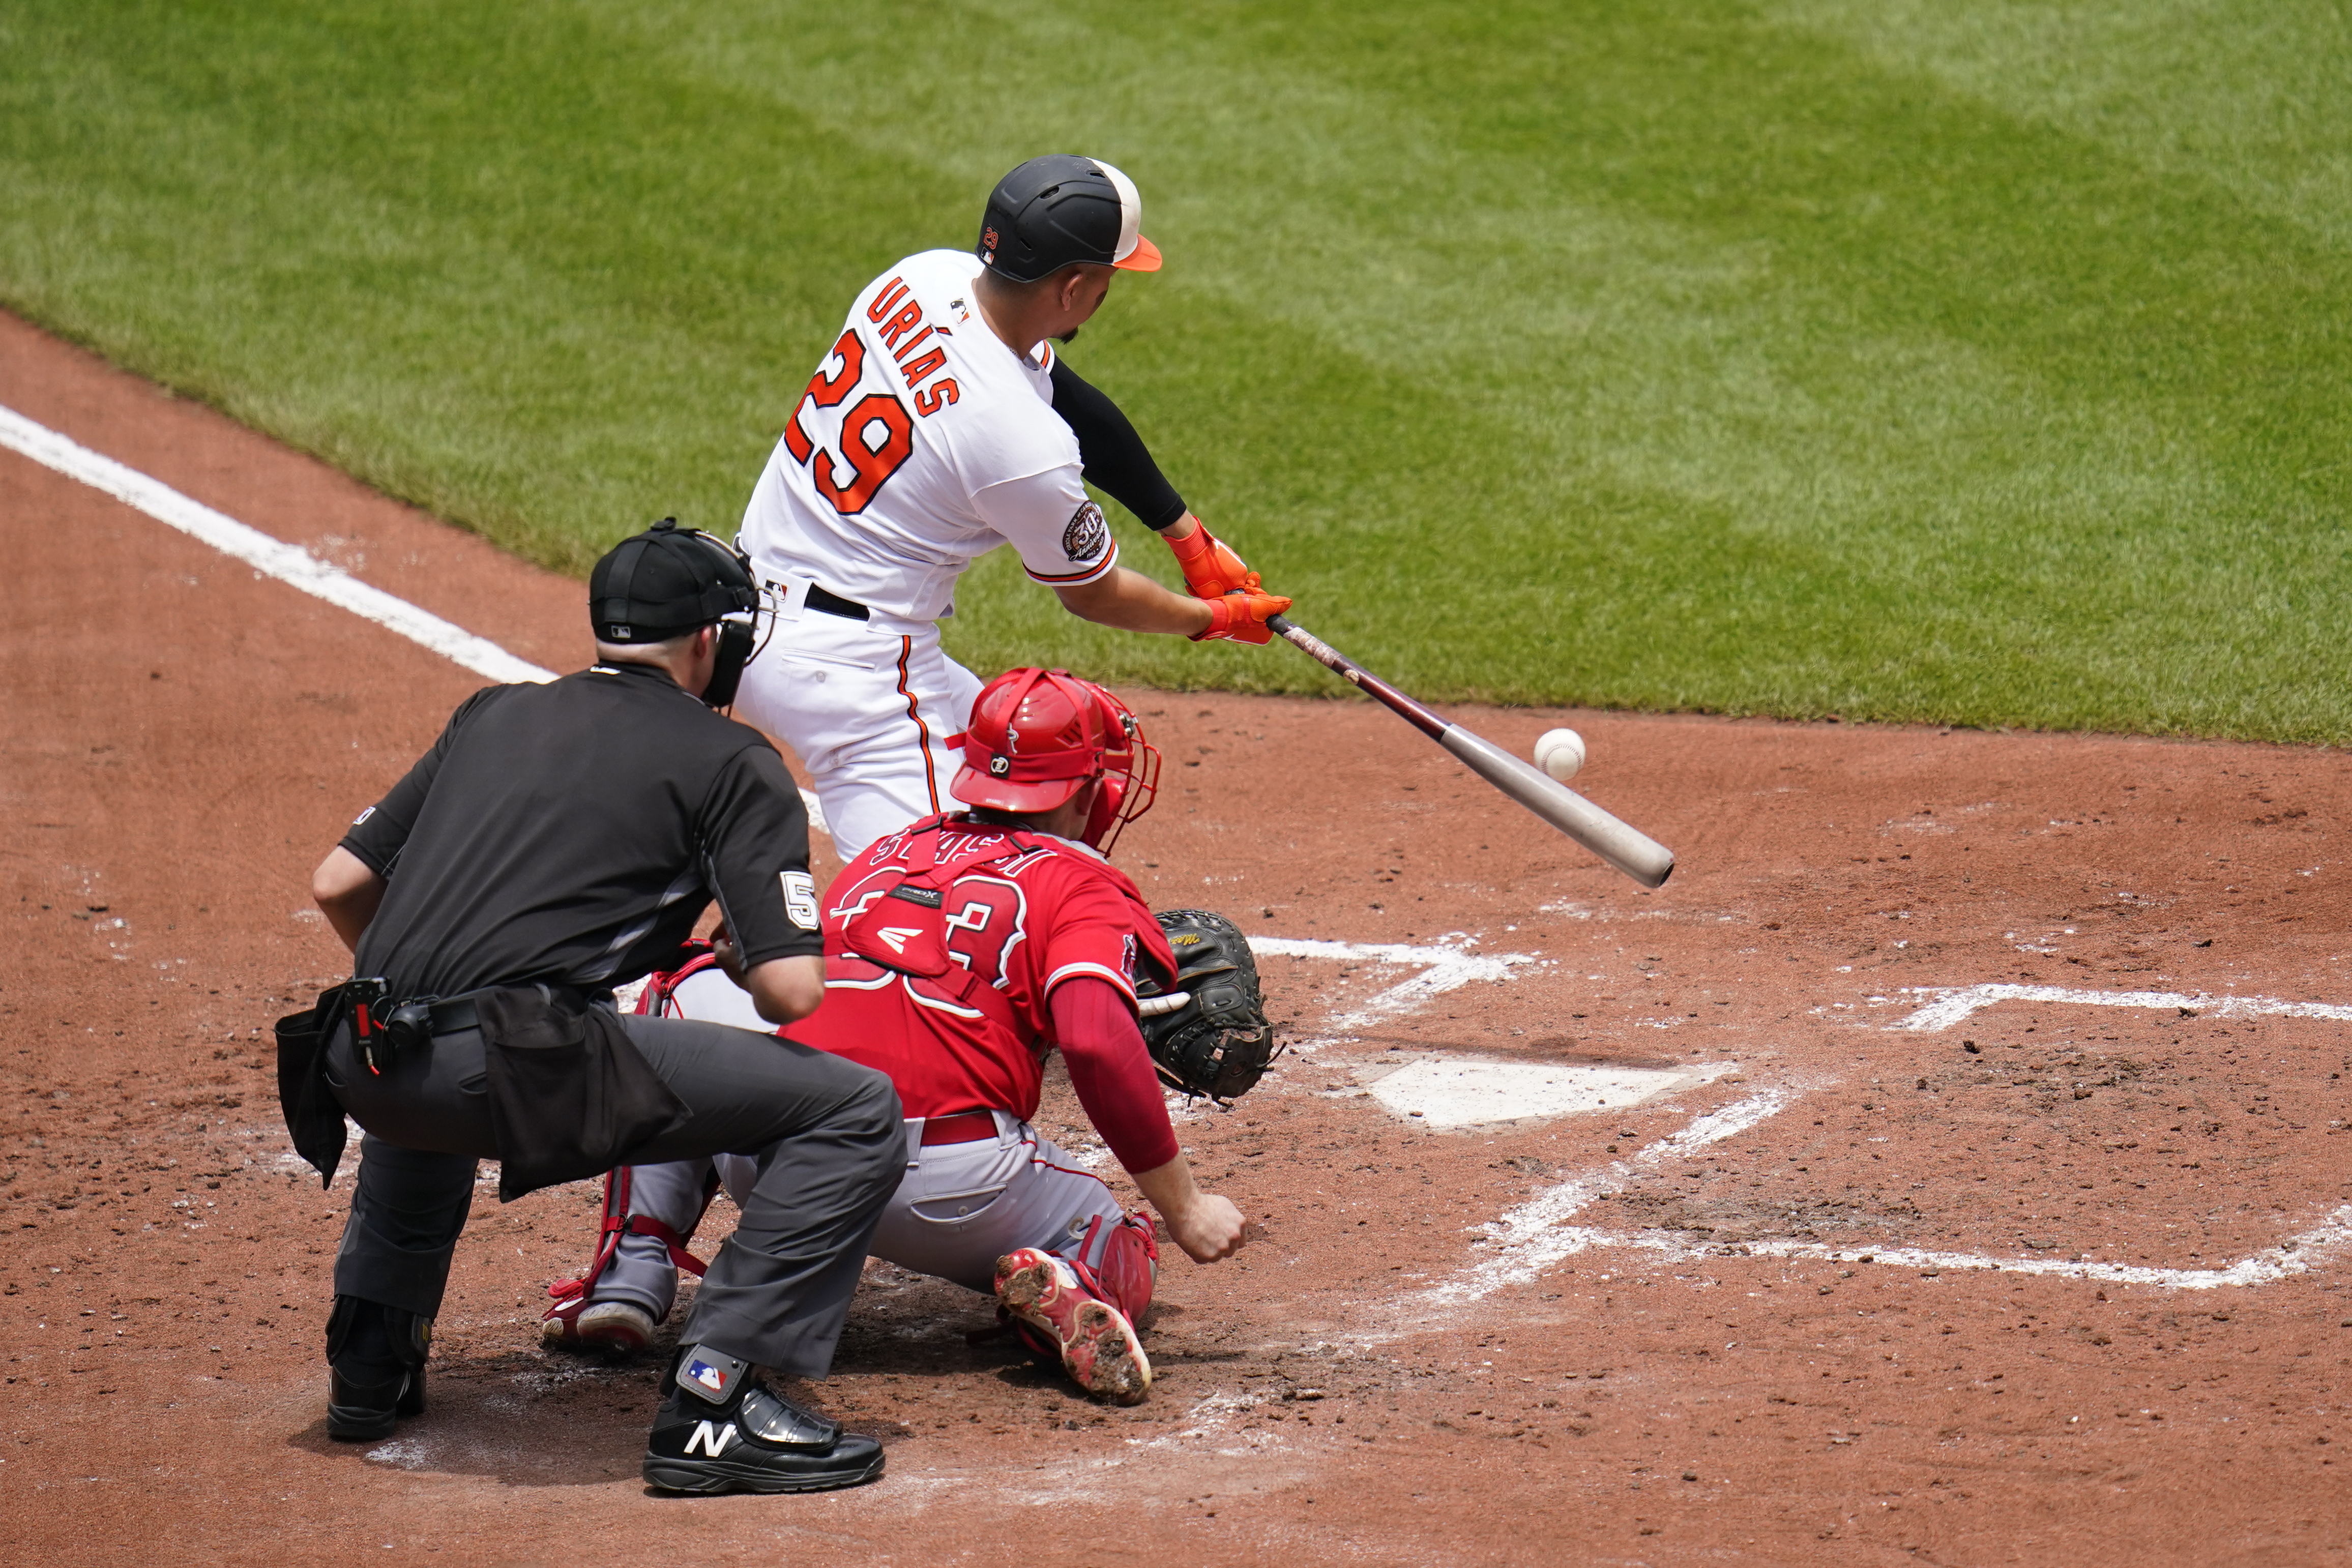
669, 580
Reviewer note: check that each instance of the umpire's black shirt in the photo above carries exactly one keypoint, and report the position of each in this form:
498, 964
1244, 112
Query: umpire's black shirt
574, 832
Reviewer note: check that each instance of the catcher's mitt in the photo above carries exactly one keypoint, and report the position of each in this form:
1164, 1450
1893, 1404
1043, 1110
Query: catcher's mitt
1216, 1041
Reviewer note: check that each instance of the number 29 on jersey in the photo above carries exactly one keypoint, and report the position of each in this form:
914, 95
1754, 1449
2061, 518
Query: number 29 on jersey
874, 439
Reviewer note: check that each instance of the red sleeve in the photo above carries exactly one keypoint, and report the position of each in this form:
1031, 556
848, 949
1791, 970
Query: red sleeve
1112, 1072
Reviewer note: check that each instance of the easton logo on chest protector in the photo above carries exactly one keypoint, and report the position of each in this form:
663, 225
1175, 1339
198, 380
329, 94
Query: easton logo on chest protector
906, 928
896, 937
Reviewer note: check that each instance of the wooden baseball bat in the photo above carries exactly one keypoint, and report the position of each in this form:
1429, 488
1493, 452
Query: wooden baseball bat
1628, 849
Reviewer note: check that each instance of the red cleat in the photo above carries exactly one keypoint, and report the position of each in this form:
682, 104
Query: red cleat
615, 1328
1098, 1343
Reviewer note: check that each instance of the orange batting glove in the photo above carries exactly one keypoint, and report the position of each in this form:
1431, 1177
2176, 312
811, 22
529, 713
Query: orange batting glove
1212, 570
1238, 606
1241, 615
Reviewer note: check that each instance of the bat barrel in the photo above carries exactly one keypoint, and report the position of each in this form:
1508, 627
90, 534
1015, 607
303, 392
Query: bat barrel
1628, 849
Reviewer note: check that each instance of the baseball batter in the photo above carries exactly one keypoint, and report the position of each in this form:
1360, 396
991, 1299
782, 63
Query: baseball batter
957, 952
940, 426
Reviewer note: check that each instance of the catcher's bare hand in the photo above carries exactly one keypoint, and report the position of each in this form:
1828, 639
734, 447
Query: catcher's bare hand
1207, 1226
1212, 1229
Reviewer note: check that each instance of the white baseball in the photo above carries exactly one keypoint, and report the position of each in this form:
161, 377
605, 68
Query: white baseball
1559, 752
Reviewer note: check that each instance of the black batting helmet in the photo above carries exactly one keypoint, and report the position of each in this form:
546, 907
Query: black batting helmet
1059, 209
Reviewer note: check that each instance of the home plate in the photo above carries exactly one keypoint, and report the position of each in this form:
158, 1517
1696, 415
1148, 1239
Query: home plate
1457, 1093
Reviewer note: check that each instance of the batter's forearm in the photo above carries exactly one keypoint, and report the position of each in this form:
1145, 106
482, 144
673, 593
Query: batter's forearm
1133, 602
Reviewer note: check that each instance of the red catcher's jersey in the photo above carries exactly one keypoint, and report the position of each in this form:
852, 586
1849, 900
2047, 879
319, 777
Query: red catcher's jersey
1022, 926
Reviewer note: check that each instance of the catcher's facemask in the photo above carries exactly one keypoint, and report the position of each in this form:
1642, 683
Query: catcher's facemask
1039, 736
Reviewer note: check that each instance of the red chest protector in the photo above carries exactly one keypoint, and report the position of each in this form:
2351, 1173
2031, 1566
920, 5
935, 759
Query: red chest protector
901, 924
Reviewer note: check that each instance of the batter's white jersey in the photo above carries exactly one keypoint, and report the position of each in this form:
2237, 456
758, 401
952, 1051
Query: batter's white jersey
921, 443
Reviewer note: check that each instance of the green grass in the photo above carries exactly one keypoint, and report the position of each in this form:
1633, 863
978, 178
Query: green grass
1979, 363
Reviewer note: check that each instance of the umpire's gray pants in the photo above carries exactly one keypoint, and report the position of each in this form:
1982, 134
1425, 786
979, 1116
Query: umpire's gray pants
824, 1134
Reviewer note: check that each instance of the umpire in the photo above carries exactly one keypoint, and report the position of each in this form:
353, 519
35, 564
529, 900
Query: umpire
556, 842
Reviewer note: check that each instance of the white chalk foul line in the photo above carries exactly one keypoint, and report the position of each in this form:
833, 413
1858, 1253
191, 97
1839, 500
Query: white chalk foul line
1954, 1005
290, 564
1442, 969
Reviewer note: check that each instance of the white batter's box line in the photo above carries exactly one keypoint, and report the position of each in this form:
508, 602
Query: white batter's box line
1954, 1004
290, 564
2299, 1254
1531, 1238
1442, 969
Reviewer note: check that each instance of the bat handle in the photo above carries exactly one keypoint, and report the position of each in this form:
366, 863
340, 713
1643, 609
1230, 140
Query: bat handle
1421, 717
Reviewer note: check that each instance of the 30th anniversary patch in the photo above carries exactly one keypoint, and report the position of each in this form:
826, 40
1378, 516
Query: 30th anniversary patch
1084, 539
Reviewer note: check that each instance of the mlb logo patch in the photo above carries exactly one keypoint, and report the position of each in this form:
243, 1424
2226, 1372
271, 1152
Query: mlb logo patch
700, 1372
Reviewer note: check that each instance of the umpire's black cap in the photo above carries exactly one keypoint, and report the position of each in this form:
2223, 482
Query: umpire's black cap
664, 582
1058, 209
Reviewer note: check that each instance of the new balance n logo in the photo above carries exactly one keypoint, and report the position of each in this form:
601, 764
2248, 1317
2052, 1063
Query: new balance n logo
711, 1437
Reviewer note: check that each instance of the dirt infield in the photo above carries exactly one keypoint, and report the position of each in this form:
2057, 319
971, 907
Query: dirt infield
1754, 1318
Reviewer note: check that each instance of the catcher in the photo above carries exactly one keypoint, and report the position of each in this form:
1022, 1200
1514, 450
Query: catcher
958, 951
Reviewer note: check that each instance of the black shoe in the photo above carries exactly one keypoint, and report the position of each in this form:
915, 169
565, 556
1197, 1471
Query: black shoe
721, 1429
375, 1357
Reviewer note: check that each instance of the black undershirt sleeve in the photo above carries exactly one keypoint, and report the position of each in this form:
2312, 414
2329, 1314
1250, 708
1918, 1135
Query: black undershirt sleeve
754, 831
1112, 455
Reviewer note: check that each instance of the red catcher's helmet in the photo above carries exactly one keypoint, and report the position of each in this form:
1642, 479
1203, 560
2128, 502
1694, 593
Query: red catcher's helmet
1037, 736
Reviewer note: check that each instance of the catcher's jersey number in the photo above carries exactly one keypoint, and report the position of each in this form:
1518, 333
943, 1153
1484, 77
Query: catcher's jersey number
979, 933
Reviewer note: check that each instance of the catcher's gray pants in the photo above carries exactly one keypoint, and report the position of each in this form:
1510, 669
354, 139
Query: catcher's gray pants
821, 1139
958, 1208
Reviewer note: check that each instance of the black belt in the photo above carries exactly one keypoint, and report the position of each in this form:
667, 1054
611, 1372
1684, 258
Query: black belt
382, 1029
455, 1016
831, 604
432, 1017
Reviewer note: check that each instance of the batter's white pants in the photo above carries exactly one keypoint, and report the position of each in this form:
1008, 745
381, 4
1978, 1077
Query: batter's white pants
959, 1207
868, 706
